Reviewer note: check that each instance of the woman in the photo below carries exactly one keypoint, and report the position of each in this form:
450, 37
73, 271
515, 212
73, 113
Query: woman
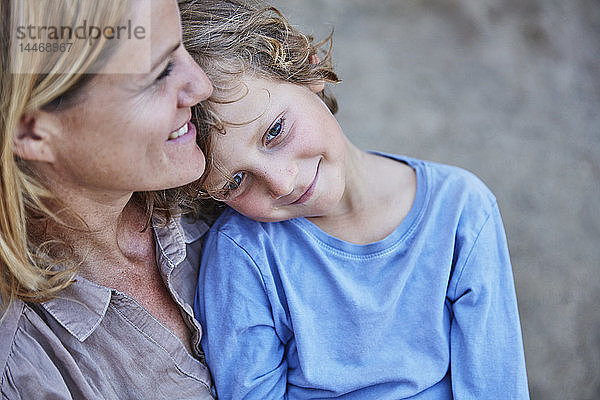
97, 279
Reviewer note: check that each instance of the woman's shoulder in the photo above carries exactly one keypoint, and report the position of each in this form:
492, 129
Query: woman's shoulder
25, 354
22, 330
10, 318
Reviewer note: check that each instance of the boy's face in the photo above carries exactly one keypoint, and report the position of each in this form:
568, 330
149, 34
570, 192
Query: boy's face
283, 149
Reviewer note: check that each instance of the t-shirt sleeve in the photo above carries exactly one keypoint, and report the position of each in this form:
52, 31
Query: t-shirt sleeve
243, 350
486, 347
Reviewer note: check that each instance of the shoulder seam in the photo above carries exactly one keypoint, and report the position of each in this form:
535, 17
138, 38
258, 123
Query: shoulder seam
262, 278
468, 258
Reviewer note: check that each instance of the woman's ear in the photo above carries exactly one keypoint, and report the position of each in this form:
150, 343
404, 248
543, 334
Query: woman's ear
34, 134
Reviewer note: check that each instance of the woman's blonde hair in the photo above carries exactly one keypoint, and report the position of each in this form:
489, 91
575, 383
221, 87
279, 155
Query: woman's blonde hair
32, 269
233, 38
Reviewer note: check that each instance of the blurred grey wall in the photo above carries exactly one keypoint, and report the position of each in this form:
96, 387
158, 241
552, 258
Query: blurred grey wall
509, 89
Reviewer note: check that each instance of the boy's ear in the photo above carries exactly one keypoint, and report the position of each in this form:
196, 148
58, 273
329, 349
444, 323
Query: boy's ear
34, 134
319, 85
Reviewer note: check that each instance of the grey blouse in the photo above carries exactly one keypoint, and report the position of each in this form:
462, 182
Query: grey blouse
97, 343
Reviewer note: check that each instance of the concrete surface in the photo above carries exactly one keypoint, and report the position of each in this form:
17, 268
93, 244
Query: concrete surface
509, 89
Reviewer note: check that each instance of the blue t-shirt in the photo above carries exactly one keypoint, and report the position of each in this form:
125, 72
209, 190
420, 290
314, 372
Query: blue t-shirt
429, 312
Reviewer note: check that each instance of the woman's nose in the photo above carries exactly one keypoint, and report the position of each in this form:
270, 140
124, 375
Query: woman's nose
197, 86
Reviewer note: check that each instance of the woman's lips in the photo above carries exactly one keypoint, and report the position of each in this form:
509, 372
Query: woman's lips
309, 192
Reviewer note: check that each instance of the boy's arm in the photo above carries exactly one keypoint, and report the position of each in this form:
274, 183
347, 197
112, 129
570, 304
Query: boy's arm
487, 360
243, 350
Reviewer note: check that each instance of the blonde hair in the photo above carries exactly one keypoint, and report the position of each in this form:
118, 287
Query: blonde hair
233, 38
32, 269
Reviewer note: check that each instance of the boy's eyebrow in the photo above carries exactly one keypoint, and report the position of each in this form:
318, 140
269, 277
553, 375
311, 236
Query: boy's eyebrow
165, 55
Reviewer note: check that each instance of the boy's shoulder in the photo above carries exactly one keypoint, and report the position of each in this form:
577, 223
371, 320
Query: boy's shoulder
241, 229
447, 180
234, 232
458, 177
231, 220
448, 189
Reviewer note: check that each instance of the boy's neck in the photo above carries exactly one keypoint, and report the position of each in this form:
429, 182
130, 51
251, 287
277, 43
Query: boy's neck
378, 195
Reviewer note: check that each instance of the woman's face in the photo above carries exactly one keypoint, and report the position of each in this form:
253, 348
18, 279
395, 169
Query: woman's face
132, 132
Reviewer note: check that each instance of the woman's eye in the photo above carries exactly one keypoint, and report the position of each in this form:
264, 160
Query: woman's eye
274, 130
166, 72
235, 182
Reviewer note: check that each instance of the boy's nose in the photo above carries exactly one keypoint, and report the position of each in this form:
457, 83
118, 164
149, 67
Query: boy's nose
281, 182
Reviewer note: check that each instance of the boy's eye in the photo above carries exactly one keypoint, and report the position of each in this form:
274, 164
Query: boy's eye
166, 72
274, 130
229, 189
235, 182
